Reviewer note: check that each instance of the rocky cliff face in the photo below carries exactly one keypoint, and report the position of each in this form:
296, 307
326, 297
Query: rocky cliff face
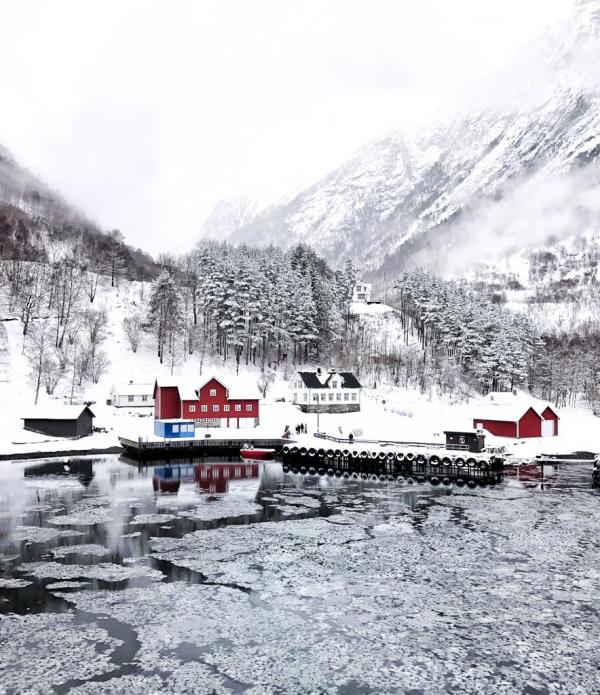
456, 184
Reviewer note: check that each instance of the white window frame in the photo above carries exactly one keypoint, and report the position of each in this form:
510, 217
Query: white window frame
215, 408
175, 429
354, 396
249, 408
225, 408
346, 396
192, 408
204, 408
238, 407
213, 392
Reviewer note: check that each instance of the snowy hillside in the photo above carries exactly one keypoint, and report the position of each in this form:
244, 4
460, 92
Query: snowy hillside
410, 197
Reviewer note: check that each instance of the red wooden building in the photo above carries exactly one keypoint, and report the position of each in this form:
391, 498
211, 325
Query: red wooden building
210, 405
518, 420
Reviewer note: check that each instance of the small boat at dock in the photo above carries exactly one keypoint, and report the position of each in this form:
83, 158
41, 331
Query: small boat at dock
256, 454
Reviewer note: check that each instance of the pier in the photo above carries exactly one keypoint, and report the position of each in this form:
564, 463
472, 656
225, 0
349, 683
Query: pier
412, 461
145, 449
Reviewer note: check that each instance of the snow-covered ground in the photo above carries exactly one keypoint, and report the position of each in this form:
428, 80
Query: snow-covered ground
388, 412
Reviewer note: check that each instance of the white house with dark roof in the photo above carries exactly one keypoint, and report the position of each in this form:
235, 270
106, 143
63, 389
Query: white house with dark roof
361, 292
132, 395
326, 391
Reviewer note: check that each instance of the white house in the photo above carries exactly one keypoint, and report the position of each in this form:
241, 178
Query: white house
326, 391
361, 292
132, 395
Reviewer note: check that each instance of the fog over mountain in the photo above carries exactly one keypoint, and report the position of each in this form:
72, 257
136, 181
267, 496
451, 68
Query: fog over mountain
509, 174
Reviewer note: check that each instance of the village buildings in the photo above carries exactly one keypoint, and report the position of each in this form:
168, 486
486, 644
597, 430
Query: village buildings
326, 391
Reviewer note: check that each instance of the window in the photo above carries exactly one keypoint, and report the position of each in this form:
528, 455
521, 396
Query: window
248, 408
144, 398
130, 399
203, 408
334, 384
175, 429
226, 408
298, 384
353, 396
305, 397
346, 396
338, 396
295, 397
331, 396
215, 408
213, 392
323, 396
192, 408
238, 407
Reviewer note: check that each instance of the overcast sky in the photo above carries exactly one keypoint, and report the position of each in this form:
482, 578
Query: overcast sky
145, 114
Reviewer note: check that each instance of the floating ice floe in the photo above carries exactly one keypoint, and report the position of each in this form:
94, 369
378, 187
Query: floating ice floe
88, 517
38, 653
222, 508
8, 583
152, 519
83, 549
40, 534
105, 571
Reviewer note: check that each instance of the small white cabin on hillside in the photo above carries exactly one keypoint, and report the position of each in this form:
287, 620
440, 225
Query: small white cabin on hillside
326, 391
132, 395
361, 292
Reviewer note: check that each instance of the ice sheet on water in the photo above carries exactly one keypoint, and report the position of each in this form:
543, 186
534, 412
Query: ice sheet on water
222, 508
105, 571
60, 586
82, 549
88, 517
152, 519
40, 651
39, 534
7, 583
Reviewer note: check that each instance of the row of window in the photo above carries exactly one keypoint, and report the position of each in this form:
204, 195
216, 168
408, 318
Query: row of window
215, 408
183, 428
328, 397
131, 399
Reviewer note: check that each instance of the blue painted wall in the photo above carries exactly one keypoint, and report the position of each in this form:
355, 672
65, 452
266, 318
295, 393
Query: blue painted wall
170, 429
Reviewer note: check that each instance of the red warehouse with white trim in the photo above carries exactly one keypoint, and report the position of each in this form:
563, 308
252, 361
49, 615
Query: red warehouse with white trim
517, 419
211, 405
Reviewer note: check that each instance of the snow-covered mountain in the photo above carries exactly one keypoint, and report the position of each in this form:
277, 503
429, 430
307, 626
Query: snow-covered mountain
22, 191
498, 176
228, 215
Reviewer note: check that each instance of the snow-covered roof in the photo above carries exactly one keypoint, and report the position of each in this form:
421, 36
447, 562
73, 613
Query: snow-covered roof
55, 411
508, 406
507, 413
316, 380
238, 389
132, 389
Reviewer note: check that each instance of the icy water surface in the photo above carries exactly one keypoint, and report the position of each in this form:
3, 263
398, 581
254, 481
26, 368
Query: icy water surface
224, 577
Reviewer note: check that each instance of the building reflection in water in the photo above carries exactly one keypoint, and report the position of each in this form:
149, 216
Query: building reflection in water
212, 478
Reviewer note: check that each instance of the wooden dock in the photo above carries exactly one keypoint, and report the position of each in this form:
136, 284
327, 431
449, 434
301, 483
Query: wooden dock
143, 449
383, 462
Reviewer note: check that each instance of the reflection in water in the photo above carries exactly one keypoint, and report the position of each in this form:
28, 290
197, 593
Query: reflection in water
98, 524
210, 477
80, 468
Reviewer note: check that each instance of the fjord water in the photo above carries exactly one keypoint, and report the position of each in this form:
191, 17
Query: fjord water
226, 576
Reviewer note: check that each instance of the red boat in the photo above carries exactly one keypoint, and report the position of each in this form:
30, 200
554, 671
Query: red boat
254, 454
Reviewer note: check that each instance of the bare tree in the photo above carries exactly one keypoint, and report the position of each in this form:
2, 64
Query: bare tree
132, 327
54, 369
97, 366
37, 353
265, 380
94, 325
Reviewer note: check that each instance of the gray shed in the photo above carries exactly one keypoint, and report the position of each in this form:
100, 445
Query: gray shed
72, 421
